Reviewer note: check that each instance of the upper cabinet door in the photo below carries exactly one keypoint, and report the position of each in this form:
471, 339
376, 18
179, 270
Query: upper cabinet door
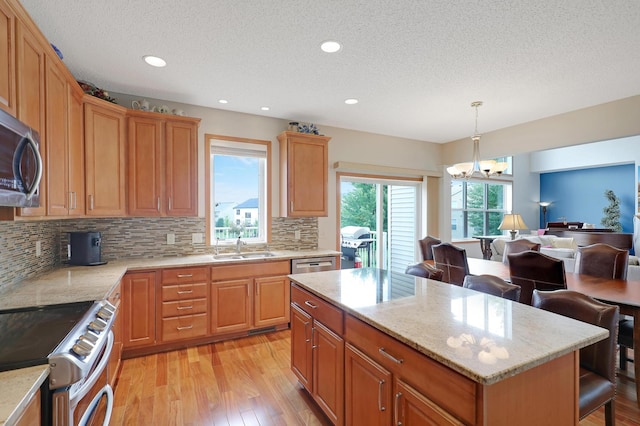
145, 168
105, 144
30, 84
304, 170
75, 130
182, 168
7, 59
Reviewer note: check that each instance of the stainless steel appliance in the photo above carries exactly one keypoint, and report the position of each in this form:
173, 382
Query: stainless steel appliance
76, 341
85, 248
313, 264
20, 163
352, 240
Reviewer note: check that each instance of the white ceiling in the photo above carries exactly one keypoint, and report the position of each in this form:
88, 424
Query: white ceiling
415, 65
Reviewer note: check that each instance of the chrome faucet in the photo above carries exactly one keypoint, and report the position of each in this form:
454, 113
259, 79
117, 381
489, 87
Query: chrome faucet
217, 252
239, 244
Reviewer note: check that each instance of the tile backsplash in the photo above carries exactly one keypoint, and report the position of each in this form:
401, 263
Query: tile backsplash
125, 238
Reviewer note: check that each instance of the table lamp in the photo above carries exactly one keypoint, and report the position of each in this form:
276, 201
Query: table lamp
512, 223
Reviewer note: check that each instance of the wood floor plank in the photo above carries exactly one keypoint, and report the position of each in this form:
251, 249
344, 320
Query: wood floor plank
247, 382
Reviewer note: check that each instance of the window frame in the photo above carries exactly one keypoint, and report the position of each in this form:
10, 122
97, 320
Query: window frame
485, 210
210, 210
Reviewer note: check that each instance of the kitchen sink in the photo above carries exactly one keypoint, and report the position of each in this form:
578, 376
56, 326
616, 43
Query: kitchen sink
236, 256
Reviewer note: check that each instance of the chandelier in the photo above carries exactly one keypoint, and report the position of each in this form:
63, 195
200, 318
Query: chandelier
486, 168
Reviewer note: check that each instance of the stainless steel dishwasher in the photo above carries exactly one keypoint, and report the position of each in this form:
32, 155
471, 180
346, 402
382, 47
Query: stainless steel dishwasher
313, 264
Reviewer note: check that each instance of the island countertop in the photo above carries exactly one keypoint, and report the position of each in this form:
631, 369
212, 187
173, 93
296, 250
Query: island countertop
483, 337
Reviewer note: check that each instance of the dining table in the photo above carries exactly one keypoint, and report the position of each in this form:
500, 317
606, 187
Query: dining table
624, 293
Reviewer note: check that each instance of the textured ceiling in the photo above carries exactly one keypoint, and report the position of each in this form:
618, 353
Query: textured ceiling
415, 65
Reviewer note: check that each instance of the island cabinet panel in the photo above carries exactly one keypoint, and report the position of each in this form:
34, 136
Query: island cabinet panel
413, 408
324, 351
7, 59
449, 391
368, 388
184, 295
138, 302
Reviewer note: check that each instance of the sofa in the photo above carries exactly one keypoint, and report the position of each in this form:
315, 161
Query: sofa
560, 248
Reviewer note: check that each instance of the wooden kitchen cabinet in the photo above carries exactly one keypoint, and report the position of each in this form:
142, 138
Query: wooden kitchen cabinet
138, 309
105, 145
31, 414
162, 168
183, 303
7, 59
249, 296
113, 368
304, 170
322, 349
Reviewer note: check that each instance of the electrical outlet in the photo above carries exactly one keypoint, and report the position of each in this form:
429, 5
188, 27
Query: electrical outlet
171, 238
197, 238
297, 235
38, 248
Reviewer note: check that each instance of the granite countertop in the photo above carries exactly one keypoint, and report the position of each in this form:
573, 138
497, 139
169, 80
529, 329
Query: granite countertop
69, 284
483, 337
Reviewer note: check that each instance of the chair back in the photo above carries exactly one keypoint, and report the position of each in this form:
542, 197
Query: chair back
602, 260
533, 270
518, 246
493, 285
425, 270
425, 246
453, 262
599, 358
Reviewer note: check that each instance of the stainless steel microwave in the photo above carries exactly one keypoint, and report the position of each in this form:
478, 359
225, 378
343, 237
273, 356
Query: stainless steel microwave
20, 163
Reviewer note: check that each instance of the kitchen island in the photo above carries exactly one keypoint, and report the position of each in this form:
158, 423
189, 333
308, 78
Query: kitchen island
401, 347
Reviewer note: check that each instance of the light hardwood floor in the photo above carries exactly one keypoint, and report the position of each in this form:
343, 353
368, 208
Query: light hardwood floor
245, 382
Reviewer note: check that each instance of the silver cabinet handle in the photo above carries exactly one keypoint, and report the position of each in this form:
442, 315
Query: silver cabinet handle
184, 328
169, 203
90, 201
158, 208
70, 200
292, 206
306, 324
391, 357
395, 410
313, 338
311, 305
185, 275
185, 291
180, 308
380, 406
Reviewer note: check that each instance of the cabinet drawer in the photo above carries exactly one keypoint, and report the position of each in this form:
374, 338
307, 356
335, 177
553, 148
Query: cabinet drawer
183, 307
185, 275
184, 291
184, 327
250, 270
322, 311
447, 388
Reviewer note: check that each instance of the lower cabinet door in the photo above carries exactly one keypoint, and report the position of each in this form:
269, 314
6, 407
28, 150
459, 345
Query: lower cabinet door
413, 408
301, 352
231, 306
271, 301
368, 389
328, 369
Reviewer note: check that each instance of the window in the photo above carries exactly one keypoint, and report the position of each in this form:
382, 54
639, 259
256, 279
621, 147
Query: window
238, 178
477, 207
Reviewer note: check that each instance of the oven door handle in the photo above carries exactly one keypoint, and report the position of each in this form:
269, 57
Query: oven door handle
86, 386
106, 392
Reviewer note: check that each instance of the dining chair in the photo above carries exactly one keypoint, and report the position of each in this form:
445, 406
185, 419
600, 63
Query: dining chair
453, 262
518, 246
425, 270
605, 261
597, 361
534, 270
425, 246
602, 260
493, 285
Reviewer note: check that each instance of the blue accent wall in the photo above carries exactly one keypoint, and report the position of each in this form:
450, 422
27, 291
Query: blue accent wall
578, 195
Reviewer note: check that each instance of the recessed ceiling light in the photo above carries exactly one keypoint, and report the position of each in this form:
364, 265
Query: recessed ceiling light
330, 46
223, 101
351, 101
265, 108
155, 61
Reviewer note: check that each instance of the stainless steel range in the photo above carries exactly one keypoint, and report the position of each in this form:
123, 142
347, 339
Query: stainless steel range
76, 341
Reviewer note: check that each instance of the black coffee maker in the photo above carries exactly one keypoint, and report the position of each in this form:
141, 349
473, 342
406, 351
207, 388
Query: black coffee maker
85, 248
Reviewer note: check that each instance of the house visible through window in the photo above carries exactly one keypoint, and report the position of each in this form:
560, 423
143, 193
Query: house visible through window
477, 207
237, 196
